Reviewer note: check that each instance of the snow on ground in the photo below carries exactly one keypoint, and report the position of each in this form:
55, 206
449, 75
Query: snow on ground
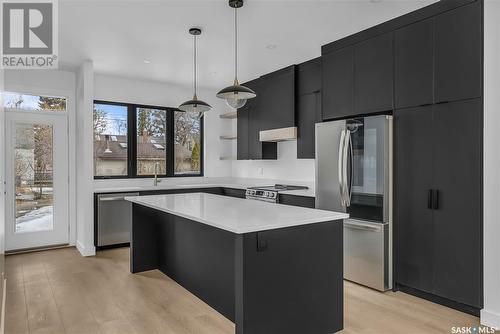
36, 220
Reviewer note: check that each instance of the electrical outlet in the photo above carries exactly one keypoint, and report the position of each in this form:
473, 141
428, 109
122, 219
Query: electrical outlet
261, 171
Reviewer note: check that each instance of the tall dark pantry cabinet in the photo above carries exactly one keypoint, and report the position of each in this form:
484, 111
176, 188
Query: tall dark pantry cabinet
438, 158
425, 68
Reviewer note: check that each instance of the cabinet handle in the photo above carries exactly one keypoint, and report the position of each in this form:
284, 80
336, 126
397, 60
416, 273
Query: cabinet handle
435, 200
429, 199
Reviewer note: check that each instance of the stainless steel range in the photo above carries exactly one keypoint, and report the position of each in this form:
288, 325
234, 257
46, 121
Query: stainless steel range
269, 193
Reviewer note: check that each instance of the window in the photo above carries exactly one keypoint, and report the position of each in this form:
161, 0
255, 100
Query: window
138, 141
33, 102
33, 162
151, 141
187, 143
110, 139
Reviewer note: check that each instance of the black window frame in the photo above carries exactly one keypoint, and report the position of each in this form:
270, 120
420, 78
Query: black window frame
169, 139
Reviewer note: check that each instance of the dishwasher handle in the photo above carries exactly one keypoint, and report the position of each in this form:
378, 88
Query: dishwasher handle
109, 199
373, 227
118, 197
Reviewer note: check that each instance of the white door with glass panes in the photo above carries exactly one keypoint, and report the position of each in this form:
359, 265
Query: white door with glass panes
36, 179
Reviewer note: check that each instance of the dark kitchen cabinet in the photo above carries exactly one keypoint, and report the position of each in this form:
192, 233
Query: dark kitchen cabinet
458, 45
308, 76
438, 186
254, 116
308, 106
413, 179
338, 84
242, 133
303, 201
232, 192
373, 74
414, 58
457, 219
277, 99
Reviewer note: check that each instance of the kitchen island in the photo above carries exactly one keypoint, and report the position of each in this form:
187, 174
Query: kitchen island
269, 268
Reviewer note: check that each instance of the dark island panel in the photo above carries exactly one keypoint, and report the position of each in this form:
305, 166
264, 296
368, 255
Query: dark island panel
286, 280
290, 280
197, 256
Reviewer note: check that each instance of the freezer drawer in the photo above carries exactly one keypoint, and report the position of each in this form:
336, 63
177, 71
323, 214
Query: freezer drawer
114, 219
366, 254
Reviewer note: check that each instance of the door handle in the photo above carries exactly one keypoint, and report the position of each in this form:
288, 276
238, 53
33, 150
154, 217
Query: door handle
429, 199
435, 200
347, 181
340, 167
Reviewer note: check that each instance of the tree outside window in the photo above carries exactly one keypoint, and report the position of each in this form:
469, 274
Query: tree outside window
187, 140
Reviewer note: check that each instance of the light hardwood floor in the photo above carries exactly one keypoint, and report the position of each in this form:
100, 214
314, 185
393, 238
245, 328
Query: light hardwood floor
58, 291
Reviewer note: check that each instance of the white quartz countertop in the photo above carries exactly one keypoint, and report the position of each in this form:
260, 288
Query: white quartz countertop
235, 214
103, 186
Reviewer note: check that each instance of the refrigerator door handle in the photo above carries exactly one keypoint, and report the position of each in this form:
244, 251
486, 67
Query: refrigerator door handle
340, 167
345, 151
348, 182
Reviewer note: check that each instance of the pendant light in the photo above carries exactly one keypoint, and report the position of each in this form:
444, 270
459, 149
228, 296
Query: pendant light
236, 95
196, 106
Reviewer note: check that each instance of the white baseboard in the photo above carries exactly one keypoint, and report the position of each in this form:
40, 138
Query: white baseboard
2, 321
85, 251
490, 319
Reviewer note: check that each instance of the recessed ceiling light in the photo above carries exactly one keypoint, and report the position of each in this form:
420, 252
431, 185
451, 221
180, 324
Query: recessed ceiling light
147, 61
271, 46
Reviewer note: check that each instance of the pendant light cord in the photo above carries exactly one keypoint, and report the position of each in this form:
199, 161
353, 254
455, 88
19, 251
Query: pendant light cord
194, 61
235, 46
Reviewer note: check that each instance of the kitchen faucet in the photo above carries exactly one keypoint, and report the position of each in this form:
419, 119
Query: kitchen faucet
156, 180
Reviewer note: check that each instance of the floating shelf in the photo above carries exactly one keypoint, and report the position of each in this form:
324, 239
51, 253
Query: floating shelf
227, 158
229, 115
228, 137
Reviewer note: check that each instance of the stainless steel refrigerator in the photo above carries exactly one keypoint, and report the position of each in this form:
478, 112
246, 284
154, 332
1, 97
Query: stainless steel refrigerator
354, 175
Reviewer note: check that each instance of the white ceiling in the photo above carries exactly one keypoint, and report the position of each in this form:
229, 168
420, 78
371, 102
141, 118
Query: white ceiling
119, 35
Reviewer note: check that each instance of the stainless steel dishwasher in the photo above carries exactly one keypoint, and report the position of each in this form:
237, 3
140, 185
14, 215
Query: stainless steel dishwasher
114, 219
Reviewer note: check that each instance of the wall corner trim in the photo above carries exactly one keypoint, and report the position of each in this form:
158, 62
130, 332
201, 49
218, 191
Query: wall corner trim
490, 319
85, 251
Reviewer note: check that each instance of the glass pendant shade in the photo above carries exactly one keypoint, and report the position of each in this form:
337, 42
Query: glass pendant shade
236, 95
195, 106
236, 103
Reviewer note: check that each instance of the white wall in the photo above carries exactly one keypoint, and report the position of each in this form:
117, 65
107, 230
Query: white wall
85, 167
119, 89
490, 315
56, 83
2, 198
287, 167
